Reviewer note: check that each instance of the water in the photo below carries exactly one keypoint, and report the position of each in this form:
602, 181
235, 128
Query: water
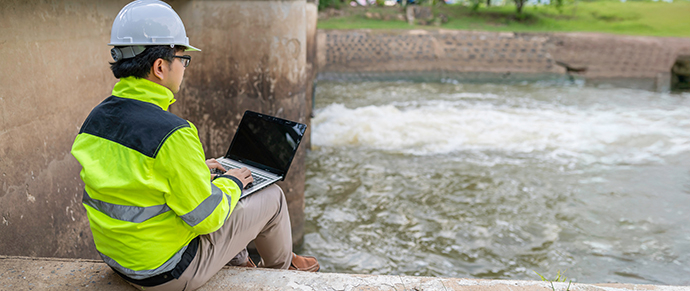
499, 181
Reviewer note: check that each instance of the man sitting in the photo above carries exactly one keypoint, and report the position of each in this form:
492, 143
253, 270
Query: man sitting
158, 218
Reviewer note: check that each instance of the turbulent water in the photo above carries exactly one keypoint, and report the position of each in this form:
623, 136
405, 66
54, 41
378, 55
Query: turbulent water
500, 181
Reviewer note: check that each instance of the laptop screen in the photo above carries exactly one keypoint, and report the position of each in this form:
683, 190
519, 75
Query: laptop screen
266, 142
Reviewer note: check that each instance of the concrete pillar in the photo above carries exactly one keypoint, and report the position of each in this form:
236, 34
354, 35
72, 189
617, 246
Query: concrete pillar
253, 58
312, 11
54, 70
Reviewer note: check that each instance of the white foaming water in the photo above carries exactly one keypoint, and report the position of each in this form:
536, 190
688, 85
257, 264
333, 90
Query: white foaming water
554, 131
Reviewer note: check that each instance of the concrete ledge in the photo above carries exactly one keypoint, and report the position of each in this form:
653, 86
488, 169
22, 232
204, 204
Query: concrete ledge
24, 273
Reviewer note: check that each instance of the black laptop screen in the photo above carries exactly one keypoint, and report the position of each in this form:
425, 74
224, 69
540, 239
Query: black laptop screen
266, 142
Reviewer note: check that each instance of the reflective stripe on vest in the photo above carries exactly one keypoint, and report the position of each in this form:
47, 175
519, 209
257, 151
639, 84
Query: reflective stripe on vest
205, 208
138, 214
143, 274
123, 212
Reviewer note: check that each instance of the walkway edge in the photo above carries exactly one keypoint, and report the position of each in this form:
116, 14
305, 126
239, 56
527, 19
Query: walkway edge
28, 273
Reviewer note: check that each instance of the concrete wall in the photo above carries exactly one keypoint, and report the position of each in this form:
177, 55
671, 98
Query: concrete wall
253, 58
55, 70
643, 62
627, 61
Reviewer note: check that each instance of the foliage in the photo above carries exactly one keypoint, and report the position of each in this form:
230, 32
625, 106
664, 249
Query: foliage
631, 18
557, 279
323, 4
559, 5
475, 4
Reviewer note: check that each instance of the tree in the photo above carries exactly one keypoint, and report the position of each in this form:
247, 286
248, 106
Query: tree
475, 4
559, 5
519, 4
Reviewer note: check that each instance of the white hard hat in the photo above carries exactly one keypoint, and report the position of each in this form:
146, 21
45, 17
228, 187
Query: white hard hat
144, 23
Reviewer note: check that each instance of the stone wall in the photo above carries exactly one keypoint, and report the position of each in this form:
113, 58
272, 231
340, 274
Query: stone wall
55, 70
594, 57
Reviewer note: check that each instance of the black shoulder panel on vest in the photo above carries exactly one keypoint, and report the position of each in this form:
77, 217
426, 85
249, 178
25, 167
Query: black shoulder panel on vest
138, 125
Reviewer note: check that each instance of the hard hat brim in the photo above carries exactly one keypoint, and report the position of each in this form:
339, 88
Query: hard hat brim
189, 48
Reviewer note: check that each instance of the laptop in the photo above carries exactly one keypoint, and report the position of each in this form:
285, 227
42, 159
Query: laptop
264, 144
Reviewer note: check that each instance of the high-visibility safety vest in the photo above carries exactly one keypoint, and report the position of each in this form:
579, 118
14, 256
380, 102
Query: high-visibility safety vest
148, 192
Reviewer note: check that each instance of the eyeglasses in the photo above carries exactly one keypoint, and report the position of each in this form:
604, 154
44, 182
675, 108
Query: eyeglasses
186, 59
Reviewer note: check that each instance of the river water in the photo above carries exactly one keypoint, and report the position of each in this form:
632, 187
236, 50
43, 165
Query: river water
500, 181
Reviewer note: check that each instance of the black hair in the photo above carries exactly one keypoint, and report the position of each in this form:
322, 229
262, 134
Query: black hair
140, 65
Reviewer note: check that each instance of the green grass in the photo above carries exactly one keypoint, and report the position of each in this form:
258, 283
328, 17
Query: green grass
560, 277
609, 16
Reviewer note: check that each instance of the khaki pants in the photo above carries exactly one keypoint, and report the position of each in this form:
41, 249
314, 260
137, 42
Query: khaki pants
262, 217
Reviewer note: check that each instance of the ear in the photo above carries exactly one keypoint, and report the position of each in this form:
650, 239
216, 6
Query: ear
159, 69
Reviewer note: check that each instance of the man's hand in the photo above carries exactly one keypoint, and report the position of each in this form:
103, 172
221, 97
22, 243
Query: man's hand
243, 174
213, 164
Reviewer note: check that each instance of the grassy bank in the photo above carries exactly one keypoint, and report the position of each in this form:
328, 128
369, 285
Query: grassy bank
632, 18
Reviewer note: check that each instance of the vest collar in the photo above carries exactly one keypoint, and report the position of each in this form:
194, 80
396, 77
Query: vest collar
144, 90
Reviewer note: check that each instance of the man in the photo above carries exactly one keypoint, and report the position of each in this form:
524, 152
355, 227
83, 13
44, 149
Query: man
157, 217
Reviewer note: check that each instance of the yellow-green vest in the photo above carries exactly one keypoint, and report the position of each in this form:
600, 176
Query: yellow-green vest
148, 191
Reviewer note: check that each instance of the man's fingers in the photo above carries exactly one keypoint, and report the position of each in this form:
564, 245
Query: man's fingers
217, 165
247, 173
214, 164
244, 174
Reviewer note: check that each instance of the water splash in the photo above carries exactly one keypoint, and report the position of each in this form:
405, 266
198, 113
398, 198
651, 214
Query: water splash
594, 134
494, 181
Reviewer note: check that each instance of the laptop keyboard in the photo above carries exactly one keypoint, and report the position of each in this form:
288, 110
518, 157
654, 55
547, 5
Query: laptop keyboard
257, 179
